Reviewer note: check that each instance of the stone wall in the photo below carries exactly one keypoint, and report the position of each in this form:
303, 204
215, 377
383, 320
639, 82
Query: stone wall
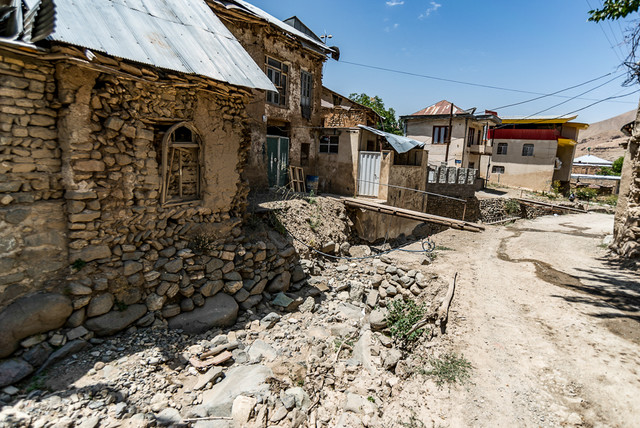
626, 241
261, 40
33, 239
86, 243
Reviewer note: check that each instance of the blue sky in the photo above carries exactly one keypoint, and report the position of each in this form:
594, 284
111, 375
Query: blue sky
539, 46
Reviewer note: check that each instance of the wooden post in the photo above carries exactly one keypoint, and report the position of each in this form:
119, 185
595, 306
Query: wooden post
446, 154
464, 211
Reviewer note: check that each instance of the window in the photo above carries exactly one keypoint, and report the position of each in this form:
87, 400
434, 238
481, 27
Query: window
502, 149
181, 164
440, 134
411, 158
527, 150
497, 169
329, 143
337, 100
306, 86
471, 137
277, 73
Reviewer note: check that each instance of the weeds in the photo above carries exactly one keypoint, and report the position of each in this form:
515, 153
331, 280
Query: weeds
121, 306
78, 264
586, 194
413, 423
370, 398
511, 206
314, 223
403, 315
449, 368
277, 224
611, 200
442, 248
202, 243
37, 382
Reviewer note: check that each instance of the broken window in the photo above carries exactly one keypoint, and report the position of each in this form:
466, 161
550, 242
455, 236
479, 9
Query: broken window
181, 164
440, 134
497, 169
502, 149
306, 86
411, 158
471, 137
527, 150
337, 100
329, 143
277, 72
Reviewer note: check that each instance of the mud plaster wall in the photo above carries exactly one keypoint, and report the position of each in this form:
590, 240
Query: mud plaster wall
412, 177
261, 41
33, 225
338, 171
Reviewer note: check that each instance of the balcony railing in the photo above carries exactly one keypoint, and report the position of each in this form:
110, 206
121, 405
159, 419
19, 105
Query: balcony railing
481, 149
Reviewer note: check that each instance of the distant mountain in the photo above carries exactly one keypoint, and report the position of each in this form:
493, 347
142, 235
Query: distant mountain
604, 137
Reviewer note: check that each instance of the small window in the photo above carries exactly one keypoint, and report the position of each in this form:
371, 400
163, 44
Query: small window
337, 100
440, 134
277, 72
527, 150
411, 158
497, 169
306, 86
502, 149
471, 137
329, 143
181, 164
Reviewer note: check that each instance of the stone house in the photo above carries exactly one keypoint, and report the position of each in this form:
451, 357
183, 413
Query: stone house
453, 136
626, 229
533, 152
285, 123
121, 193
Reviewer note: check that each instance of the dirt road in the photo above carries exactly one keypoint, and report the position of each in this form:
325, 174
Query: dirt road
552, 330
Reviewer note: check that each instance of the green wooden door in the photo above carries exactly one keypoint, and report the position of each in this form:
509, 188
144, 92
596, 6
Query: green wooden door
277, 160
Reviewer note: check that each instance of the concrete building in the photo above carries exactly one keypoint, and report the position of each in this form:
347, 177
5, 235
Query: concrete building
452, 136
284, 124
533, 152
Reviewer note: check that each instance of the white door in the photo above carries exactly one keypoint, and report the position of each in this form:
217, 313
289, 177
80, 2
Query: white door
369, 173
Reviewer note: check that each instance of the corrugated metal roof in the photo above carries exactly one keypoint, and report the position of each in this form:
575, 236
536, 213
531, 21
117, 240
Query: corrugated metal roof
399, 143
438, 109
591, 160
184, 36
275, 21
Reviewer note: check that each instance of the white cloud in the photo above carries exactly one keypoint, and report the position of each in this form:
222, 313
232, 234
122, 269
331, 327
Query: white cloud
434, 6
389, 29
395, 3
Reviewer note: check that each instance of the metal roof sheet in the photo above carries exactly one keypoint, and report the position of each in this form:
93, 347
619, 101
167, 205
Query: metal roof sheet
399, 143
248, 7
183, 36
591, 160
438, 109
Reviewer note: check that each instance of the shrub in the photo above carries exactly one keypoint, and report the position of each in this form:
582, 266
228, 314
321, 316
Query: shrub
511, 206
586, 193
449, 368
403, 315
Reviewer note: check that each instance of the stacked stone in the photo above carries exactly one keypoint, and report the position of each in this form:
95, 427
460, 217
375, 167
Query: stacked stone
32, 238
627, 228
391, 282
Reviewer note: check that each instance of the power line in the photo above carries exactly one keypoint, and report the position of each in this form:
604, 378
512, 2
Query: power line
553, 93
575, 97
442, 79
605, 34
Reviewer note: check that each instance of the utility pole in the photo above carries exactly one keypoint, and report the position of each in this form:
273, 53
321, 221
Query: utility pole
446, 154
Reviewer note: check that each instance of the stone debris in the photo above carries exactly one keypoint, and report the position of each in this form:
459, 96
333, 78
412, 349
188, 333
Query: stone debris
267, 367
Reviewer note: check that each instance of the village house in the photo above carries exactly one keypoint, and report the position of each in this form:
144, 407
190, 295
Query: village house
533, 152
452, 136
122, 146
285, 123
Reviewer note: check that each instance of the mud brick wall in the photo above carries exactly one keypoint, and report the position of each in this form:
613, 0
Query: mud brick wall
627, 220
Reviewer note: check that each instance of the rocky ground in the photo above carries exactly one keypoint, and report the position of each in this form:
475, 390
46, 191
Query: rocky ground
317, 356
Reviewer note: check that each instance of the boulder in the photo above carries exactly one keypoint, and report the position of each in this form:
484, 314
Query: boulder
31, 315
220, 310
239, 380
100, 305
11, 371
378, 319
298, 274
279, 283
115, 321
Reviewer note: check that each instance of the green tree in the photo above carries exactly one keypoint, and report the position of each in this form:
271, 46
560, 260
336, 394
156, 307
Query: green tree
616, 9
616, 168
389, 122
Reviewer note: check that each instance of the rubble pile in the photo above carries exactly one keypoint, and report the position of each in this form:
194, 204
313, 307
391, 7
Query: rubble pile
315, 355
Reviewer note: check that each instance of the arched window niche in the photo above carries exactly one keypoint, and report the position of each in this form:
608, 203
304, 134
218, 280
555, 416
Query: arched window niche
181, 165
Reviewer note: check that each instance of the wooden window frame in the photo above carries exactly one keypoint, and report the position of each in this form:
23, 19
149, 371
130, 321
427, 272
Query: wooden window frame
332, 142
306, 93
278, 72
437, 132
471, 137
169, 148
527, 149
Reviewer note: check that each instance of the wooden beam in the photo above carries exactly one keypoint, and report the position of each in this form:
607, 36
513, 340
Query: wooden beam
545, 204
413, 215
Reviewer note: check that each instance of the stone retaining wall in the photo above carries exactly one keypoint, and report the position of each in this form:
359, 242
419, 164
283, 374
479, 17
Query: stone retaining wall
83, 223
